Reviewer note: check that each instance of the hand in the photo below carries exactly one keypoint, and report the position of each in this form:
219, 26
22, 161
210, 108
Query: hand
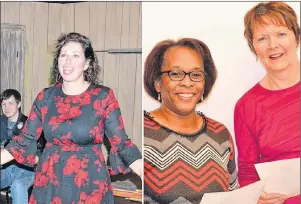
5, 156
271, 198
36, 159
137, 167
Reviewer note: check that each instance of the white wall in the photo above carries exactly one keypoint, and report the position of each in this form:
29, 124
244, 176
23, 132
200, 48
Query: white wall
220, 26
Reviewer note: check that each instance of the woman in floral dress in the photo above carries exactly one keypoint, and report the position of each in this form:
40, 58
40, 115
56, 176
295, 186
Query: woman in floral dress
74, 114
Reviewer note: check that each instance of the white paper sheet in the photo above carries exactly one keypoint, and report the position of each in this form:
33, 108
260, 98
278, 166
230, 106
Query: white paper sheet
281, 176
247, 195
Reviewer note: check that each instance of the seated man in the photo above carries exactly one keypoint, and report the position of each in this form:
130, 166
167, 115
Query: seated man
20, 178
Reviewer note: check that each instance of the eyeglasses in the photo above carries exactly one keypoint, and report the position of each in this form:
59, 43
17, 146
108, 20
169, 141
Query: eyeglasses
178, 75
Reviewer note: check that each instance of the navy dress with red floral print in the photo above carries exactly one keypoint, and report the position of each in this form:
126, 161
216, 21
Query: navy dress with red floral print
72, 168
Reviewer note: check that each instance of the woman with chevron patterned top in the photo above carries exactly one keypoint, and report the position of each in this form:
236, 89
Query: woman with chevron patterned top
186, 154
267, 117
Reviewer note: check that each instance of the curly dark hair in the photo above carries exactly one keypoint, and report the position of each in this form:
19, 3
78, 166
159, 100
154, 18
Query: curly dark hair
91, 74
154, 61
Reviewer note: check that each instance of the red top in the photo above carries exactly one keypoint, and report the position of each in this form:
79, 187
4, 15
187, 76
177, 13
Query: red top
267, 128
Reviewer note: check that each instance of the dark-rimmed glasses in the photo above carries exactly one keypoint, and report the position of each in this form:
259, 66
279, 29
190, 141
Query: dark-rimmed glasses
178, 75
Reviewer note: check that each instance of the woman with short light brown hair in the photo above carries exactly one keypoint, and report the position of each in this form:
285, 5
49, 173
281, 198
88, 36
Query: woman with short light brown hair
267, 117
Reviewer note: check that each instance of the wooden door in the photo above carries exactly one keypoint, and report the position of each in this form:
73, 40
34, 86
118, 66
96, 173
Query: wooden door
12, 57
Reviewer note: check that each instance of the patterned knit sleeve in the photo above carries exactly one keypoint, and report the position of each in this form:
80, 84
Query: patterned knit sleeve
232, 168
248, 150
23, 147
123, 151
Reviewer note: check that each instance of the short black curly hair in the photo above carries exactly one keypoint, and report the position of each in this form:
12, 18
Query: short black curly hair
10, 92
154, 61
91, 74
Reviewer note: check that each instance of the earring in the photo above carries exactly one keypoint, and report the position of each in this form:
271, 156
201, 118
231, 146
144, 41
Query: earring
256, 59
202, 98
159, 96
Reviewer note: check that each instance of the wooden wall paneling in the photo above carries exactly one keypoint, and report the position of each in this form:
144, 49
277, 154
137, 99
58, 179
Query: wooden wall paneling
112, 41
138, 111
12, 12
82, 18
26, 19
134, 24
98, 32
41, 62
127, 71
2, 5
20, 63
67, 21
54, 31
139, 44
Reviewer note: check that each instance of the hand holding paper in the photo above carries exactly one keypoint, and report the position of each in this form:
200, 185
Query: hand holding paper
247, 195
281, 176
271, 198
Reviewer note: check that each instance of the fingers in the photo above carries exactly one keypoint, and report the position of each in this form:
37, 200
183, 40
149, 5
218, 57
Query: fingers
272, 198
36, 159
268, 196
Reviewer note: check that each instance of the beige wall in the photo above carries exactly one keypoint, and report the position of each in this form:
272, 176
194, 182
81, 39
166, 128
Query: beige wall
110, 25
